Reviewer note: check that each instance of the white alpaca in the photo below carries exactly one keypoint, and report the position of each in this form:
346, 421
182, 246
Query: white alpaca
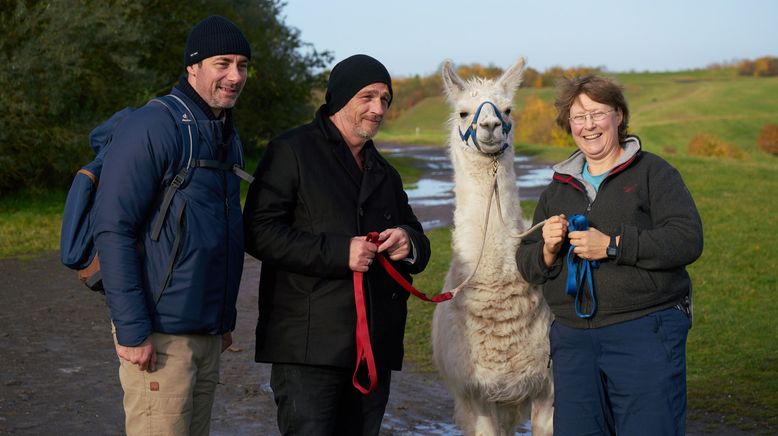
490, 342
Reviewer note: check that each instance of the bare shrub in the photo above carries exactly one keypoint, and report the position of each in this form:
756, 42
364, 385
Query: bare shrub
704, 144
768, 139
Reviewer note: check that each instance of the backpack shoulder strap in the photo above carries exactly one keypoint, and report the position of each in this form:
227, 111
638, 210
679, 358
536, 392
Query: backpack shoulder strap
187, 128
182, 108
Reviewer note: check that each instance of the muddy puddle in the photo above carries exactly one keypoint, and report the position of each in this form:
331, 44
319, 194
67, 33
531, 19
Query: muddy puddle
432, 196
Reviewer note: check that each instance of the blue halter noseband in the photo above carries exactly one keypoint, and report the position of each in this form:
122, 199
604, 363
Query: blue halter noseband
470, 133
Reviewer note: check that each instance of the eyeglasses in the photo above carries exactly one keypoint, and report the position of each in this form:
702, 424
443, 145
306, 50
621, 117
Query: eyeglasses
596, 116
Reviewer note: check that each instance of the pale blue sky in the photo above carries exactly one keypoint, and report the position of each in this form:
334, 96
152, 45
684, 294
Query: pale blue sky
414, 37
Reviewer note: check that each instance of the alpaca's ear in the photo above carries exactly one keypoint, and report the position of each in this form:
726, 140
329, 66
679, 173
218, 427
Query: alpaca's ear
453, 84
511, 78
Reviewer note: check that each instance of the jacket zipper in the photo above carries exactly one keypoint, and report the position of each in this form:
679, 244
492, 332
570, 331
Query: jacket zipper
227, 247
568, 180
589, 204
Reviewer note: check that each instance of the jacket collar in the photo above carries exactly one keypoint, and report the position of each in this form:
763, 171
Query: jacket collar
572, 168
374, 169
184, 86
222, 128
225, 122
573, 165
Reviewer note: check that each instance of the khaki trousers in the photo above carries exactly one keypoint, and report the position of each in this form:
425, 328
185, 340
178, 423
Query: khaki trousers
176, 398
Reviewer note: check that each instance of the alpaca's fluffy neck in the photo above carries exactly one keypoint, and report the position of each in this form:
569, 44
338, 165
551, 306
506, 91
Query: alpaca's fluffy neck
473, 178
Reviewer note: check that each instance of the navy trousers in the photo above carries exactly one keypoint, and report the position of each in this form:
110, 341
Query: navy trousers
623, 379
320, 400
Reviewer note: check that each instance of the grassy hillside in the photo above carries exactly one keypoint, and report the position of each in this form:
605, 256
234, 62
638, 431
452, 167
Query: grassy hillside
424, 123
668, 110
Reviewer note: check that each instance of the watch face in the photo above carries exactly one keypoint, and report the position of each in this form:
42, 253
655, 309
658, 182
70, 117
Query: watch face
611, 252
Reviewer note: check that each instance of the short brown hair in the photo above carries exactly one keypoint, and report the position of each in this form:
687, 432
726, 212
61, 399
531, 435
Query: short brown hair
600, 89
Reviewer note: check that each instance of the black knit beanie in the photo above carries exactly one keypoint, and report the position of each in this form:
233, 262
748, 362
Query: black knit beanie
352, 74
214, 36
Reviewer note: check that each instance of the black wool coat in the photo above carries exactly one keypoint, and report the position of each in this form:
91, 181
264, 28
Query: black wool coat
307, 202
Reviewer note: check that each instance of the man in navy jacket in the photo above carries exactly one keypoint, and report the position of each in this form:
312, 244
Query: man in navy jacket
172, 295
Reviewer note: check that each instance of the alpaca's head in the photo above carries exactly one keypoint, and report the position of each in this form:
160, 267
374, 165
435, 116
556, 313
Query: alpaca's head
493, 128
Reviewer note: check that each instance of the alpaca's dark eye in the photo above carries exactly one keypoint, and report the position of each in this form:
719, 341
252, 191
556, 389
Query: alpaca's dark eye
463, 114
507, 111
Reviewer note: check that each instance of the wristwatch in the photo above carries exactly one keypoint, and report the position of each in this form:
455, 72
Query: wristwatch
612, 250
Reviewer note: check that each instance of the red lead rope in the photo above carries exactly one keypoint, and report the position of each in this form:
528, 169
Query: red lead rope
364, 349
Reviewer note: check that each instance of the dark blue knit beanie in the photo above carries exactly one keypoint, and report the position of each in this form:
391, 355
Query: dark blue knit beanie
214, 36
352, 74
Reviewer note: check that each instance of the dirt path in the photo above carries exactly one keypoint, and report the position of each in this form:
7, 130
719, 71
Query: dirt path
58, 371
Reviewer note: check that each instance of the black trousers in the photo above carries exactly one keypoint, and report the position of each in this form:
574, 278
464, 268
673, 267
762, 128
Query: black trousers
320, 400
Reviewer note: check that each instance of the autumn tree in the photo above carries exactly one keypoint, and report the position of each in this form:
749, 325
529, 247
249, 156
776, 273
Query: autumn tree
409, 91
766, 66
531, 78
536, 125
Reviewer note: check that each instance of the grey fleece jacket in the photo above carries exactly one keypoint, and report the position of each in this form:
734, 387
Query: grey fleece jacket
644, 201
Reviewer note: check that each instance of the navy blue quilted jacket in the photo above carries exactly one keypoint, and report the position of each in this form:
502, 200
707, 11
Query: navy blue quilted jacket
202, 289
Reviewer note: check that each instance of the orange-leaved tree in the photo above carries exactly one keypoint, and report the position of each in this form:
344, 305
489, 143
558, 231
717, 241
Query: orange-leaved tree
536, 125
766, 66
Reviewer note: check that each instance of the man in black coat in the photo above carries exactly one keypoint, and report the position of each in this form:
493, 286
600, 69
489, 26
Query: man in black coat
319, 190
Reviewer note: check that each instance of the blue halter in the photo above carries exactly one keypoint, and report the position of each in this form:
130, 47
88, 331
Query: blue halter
470, 133
575, 279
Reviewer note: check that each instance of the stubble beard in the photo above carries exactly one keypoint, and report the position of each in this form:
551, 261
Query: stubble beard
224, 102
366, 134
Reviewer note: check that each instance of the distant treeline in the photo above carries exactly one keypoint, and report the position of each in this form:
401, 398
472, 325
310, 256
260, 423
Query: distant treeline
766, 66
409, 91
70, 64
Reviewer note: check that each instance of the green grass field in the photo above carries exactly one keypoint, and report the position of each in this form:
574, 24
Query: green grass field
30, 222
732, 348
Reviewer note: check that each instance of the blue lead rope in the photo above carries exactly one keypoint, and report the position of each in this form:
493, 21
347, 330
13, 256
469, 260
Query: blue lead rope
576, 277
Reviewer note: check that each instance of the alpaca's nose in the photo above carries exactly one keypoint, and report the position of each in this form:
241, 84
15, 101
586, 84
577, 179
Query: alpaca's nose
490, 124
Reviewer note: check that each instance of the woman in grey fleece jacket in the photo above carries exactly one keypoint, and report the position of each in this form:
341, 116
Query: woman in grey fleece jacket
618, 347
